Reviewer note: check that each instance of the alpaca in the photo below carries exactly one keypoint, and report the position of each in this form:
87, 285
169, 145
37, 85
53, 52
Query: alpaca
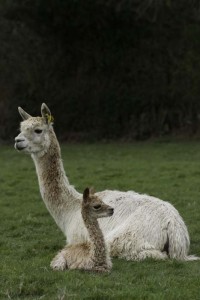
142, 226
92, 255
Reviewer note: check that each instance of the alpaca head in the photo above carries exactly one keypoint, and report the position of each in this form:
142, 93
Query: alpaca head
34, 137
94, 206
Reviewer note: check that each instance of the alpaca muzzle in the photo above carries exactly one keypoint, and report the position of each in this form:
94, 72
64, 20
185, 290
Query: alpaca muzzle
19, 144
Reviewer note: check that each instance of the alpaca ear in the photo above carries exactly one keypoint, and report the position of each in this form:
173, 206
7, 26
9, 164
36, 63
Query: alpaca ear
23, 114
46, 113
86, 194
92, 190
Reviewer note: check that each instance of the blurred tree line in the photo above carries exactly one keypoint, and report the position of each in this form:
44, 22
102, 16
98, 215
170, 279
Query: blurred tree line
107, 68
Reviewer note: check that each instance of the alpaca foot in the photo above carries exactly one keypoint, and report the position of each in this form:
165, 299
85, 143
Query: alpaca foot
58, 263
153, 253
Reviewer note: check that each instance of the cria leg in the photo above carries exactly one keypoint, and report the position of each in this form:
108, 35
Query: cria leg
59, 262
100, 270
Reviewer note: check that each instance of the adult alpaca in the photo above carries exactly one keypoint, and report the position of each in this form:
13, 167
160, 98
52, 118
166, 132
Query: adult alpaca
92, 255
142, 226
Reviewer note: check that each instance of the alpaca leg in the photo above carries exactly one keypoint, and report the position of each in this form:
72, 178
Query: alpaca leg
152, 253
59, 262
133, 247
143, 254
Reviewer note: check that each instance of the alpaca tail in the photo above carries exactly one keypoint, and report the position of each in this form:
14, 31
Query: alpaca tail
179, 241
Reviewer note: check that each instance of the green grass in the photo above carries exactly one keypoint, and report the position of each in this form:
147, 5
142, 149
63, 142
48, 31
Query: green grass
29, 237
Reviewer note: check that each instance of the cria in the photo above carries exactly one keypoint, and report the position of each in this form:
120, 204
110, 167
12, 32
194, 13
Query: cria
92, 255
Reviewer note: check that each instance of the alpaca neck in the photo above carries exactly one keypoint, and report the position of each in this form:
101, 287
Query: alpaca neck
54, 185
98, 248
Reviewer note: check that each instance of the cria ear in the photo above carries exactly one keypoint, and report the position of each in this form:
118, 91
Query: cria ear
86, 194
23, 114
46, 113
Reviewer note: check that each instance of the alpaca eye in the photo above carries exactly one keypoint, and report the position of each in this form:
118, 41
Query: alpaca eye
38, 131
97, 206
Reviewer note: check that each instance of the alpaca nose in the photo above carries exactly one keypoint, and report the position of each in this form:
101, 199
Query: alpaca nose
18, 140
111, 211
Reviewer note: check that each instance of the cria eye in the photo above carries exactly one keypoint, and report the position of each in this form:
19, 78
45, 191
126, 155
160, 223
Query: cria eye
38, 131
97, 206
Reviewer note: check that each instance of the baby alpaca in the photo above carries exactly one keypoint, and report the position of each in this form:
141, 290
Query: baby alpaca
92, 255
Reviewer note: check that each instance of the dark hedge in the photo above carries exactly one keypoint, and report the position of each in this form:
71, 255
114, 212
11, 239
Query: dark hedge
107, 69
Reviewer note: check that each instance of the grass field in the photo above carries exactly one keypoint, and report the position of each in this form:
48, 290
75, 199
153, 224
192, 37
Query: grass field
29, 237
